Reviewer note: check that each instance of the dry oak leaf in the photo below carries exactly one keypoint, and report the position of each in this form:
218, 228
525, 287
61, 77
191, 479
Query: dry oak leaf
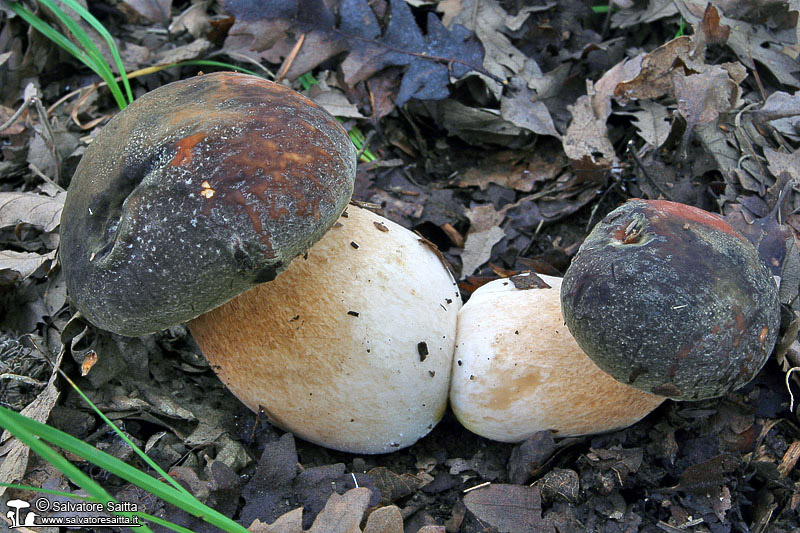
342, 514
394, 486
147, 12
24, 264
656, 10
385, 520
490, 22
711, 31
28, 208
524, 108
750, 43
508, 168
782, 111
782, 165
704, 96
291, 522
586, 139
483, 234
429, 60
652, 120
509, 508
653, 80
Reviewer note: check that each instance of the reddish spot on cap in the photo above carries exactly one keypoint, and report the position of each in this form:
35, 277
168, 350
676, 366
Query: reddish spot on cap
183, 153
694, 214
762, 337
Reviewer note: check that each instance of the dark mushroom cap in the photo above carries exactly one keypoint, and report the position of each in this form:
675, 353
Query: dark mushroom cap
196, 192
672, 300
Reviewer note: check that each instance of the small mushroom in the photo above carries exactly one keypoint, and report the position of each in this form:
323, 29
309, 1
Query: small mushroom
672, 300
518, 370
196, 192
351, 346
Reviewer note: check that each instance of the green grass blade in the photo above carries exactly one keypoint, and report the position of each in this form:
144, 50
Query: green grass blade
124, 437
681, 28
46, 491
164, 523
112, 45
210, 63
43, 28
99, 62
358, 139
144, 516
70, 47
307, 80
122, 470
17, 425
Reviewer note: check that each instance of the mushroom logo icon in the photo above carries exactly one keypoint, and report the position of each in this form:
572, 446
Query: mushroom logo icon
13, 515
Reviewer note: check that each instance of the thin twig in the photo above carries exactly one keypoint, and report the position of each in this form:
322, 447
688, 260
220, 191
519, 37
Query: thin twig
287, 63
243, 58
33, 168
51, 138
15, 116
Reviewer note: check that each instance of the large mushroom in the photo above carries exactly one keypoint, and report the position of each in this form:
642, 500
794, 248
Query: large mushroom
197, 191
351, 346
208, 187
672, 300
518, 370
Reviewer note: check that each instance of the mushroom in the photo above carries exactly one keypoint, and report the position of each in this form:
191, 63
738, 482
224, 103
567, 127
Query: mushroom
196, 192
518, 370
672, 300
203, 190
351, 346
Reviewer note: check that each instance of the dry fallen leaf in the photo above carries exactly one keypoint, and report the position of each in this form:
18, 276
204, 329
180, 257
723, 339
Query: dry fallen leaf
394, 486
782, 112
487, 19
24, 264
187, 52
14, 129
476, 126
290, 522
524, 108
704, 96
652, 120
509, 168
656, 10
749, 42
147, 11
509, 508
586, 140
653, 79
484, 232
28, 208
385, 520
335, 102
784, 166
15, 460
343, 513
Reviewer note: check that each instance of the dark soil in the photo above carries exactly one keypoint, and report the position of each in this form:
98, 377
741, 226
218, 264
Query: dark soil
443, 170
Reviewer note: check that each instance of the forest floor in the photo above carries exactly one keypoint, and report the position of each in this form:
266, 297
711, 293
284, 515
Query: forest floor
501, 131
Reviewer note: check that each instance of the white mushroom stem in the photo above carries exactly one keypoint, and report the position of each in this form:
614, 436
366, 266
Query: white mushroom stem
351, 346
518, 370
